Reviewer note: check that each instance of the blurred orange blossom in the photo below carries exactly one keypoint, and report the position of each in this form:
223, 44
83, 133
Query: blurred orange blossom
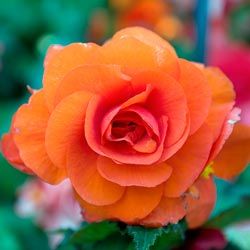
156, 15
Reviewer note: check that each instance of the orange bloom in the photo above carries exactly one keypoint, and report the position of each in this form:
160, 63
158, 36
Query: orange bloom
133, 127
156, 15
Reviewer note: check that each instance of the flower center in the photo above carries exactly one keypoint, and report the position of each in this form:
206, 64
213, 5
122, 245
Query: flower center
128, 128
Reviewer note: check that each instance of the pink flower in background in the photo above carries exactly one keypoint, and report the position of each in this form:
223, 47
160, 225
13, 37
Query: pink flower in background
52, 207
234, 60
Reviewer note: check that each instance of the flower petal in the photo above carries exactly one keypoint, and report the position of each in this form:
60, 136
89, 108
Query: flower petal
235, 155
223, 97
98, 79
170, 210
145, 145
130, 105
226, 131
146, 36
68, 58
199, 209
29, 135
197, 92
51, 52
133, 175
94, 116
167, 98
154, 41
136, 204
133, 55
170, 150
66, 120
189, 162
85, 178
11, 153
147, 117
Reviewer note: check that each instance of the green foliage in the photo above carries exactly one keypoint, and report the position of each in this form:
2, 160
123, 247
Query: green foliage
28, 27
114, 236
20, 234
236, 214
94, 232
115, 242
10, 179
98, 236
230, 194
239, 23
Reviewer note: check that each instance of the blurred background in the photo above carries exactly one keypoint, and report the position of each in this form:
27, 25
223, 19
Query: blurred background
214, 32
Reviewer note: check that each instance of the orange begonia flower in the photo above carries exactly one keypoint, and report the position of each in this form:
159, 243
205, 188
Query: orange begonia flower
133, 127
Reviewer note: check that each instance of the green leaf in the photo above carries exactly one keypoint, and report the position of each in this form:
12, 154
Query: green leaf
174, 236
145, 238
94, 232
233, 215
114, 242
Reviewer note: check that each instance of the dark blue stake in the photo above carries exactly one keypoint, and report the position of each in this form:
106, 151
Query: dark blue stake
201, 25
